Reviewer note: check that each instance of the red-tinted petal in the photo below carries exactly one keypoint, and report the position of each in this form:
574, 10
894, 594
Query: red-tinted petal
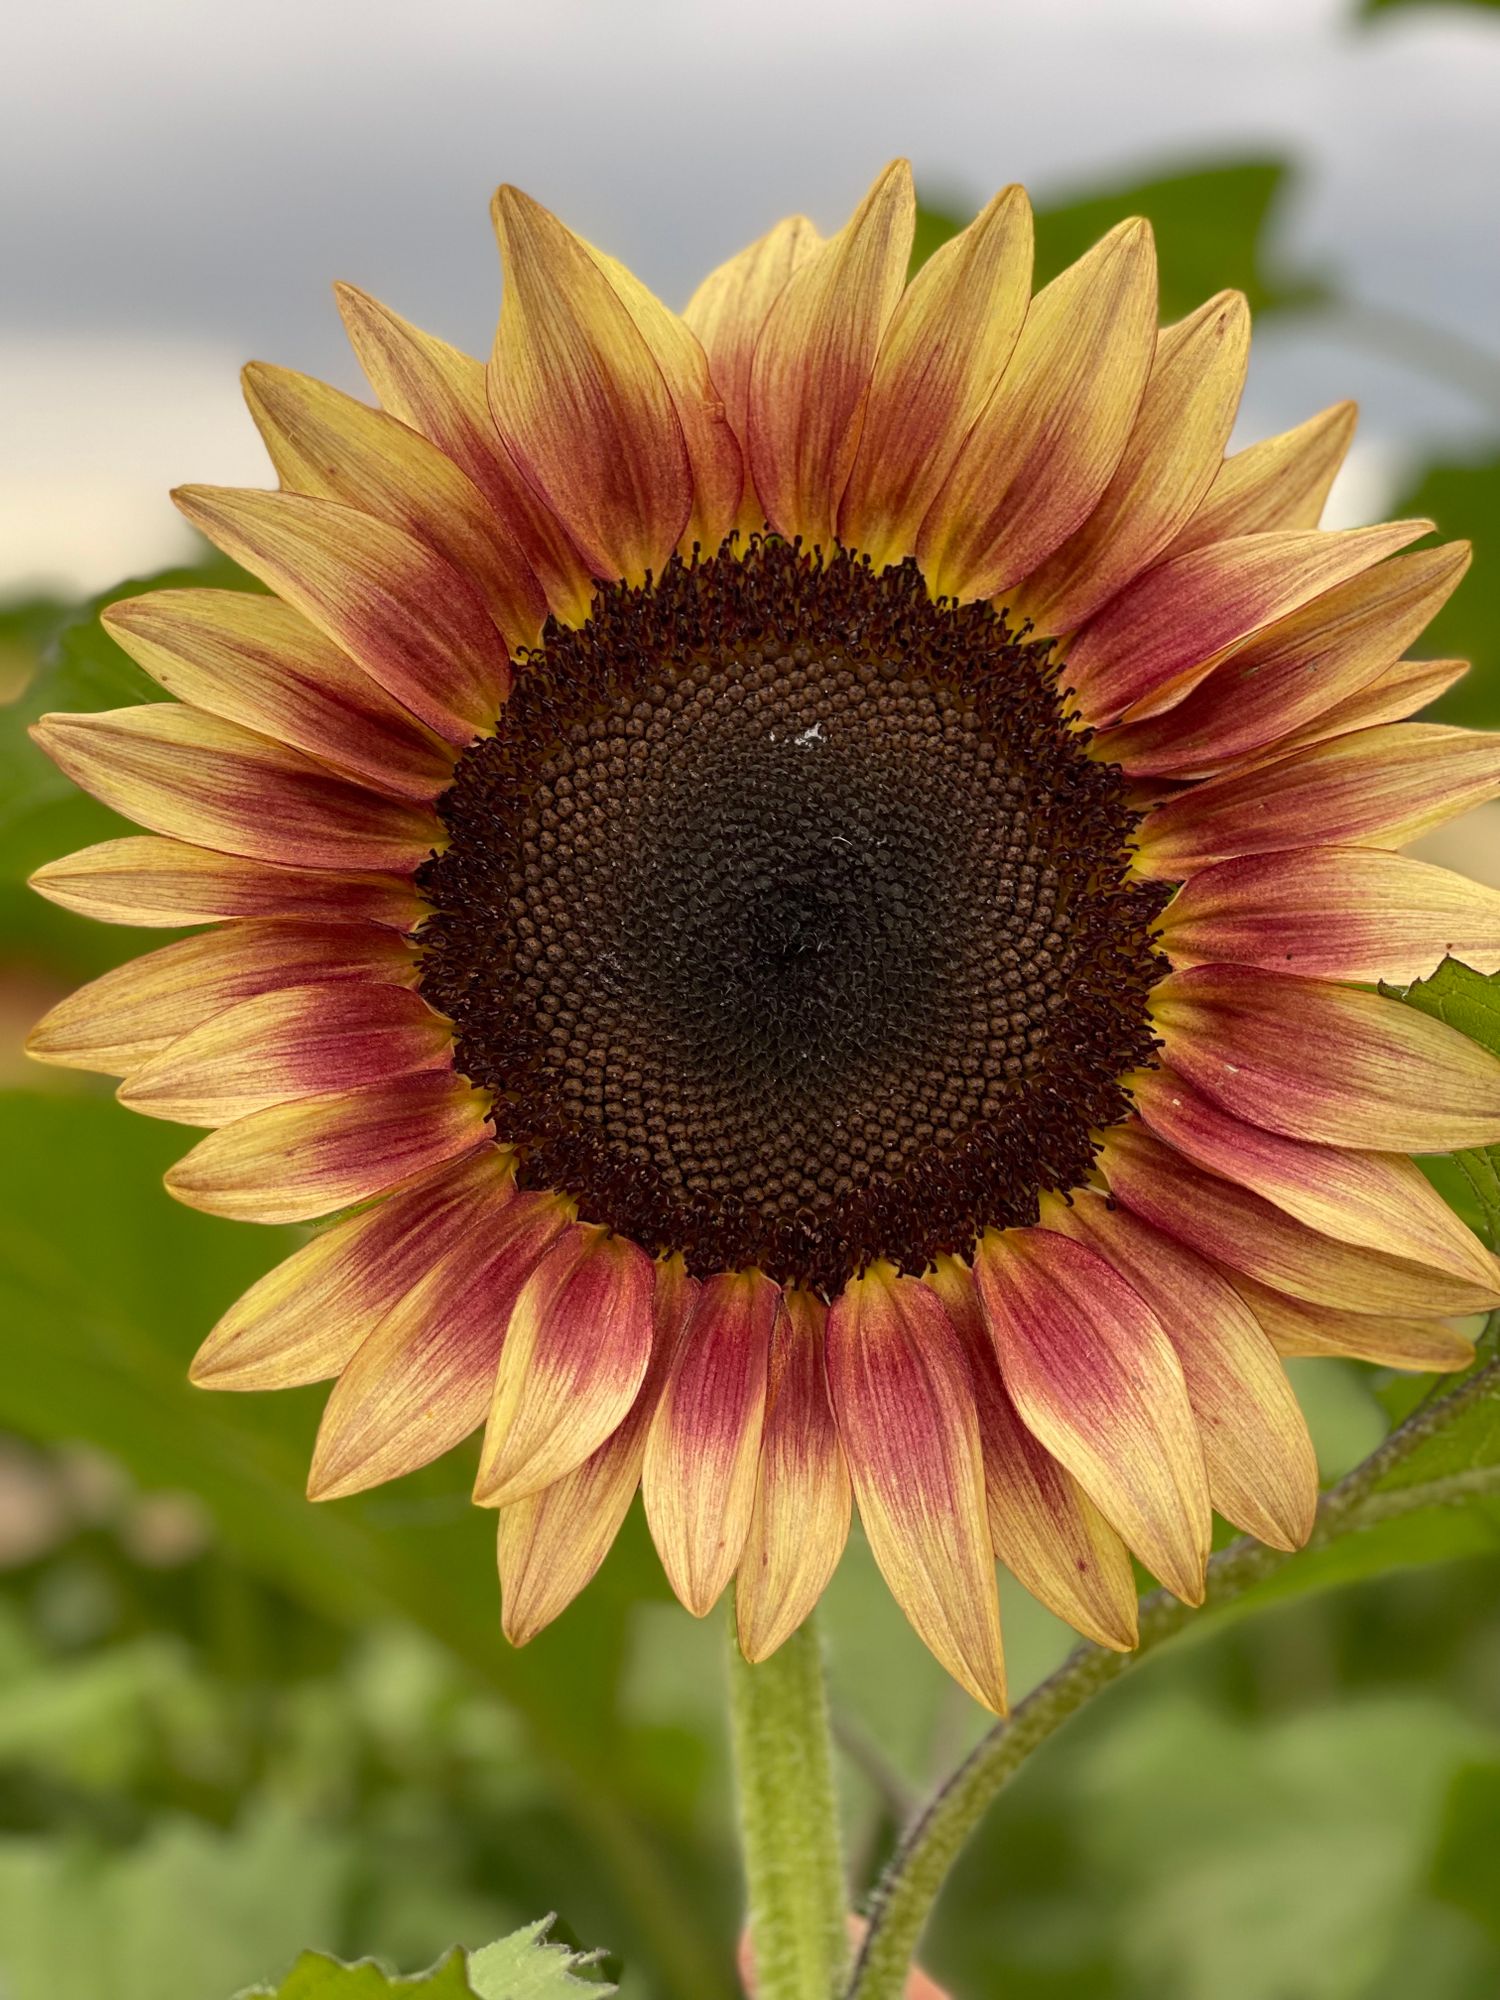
131, 1013
1336, 913
1320, 1061
575, 1355
421, 1381
904, 1401
704, 1446
802, 1495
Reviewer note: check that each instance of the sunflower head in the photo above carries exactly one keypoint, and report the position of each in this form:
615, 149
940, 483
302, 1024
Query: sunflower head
809, 873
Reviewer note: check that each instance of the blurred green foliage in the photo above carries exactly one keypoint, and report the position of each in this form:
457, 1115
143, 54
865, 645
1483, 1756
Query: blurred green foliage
1471, 1003
1211, 226
1369, 7
1464, 500
235, 1726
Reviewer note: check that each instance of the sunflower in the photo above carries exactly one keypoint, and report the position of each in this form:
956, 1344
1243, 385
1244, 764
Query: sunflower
804, 882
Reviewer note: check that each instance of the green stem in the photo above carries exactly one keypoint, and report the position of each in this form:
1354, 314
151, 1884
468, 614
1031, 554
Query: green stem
911, 1885
789, 1826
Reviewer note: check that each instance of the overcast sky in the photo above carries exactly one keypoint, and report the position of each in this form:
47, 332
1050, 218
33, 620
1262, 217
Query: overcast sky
180, 179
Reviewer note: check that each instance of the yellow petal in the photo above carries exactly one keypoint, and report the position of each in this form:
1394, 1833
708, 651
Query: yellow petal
814, 358
440, 391
293, 1042
129, 1014
948, 342
579, 400
1158, 639
551, 1543
319, 1154
712, 447
389, 600
305, 1319
1175, 449
1047, 443
1279, 482
1262, 1472
576, 1350
165, 884
193, 777
802, 1497
1381, 1201
1296, 1327
727, 313
1295, 671
1230, 1225
253, 660
421, 1381
1321, 1061
1044, 1527
698, 1481
325, 443
1334, 913
904, 1401
1094, 1377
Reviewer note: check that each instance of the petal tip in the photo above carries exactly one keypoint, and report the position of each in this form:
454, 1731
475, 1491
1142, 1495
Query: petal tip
698, 1600
212, 1367
1117, 1639
320, 1486
1134, 234
118, 617
756, 1646
511, 205
196, 502
519, 1631
180, 1187
38, 1045
990, 1691
897, 171
1190, 1586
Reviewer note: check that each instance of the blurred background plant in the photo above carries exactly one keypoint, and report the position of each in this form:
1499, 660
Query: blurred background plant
233, 1725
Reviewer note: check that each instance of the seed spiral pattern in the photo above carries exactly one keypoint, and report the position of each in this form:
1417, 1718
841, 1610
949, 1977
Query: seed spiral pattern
788, 919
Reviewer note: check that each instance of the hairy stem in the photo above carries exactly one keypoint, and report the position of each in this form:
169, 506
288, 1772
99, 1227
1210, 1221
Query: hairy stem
910, 1887
789, 1827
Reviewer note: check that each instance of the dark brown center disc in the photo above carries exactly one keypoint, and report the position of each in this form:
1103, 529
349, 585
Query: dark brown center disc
788, 919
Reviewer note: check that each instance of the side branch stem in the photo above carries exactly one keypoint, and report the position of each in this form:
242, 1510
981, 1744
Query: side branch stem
904, 1899
789, 1827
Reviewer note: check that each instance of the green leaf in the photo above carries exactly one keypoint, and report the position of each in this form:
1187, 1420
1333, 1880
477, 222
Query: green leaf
1279, 1859
1370, 7
187, 1913
1211, 227
1463, 1871
1464, 500
315, 1977
1469, 1001
524, 1966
